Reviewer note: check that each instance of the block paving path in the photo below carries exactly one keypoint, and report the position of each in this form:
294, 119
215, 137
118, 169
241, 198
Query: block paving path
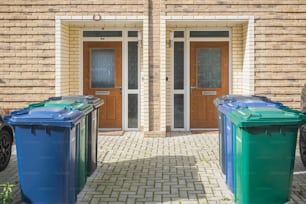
181, 168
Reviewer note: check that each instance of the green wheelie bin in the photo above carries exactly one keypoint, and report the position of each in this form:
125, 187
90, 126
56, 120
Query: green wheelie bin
93, 124
264, 153
82, 140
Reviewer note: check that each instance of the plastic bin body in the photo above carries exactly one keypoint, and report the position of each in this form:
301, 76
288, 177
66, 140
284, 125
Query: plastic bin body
81, 140
222, 124
93, 142
221, 142
93, 123
227, 140
242, 102
265, 141
82, 155
46, 154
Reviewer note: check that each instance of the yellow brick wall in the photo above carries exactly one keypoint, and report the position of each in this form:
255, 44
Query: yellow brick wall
237, 52
74, 59
169, 95
65, 65
280, 41
27, 45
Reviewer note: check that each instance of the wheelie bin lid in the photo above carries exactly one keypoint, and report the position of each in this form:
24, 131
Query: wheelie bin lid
26, 109
37, 105
228, 107
248, 103
259, 116
52, 116
6, 118
73, 105
226, 98
92, 100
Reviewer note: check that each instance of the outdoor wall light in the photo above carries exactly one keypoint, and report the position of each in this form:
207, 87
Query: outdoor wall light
96, 17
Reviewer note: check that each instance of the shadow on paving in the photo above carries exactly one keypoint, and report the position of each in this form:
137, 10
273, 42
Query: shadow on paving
158, 179
155, 180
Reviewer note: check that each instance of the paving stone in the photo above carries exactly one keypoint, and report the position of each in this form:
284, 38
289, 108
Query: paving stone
95, 201
183, 168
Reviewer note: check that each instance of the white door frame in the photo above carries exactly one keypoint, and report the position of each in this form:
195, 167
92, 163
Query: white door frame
187, 39
125, 91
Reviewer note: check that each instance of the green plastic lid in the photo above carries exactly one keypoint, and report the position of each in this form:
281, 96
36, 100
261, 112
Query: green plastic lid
72, 105
37, 105
254, 117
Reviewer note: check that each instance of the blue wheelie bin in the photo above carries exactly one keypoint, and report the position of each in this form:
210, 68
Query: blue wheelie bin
93, 125
219, 101
246, 102
46, 153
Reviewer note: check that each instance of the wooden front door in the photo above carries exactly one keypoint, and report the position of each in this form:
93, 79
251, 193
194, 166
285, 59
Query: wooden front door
102, 72
208, 79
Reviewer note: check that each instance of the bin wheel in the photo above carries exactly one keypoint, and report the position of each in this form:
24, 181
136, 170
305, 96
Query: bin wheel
5, 148
303, 145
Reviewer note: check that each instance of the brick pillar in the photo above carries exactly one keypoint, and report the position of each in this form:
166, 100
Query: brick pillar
154, 10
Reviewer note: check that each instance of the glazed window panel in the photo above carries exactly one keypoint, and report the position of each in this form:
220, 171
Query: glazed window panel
133, 111
178, 65
102, 68
133, 65
209, 67
178, 111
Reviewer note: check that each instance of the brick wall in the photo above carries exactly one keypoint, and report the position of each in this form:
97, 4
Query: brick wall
280, 41
74, 60
237, 59
27, 45
27, 48
65, 60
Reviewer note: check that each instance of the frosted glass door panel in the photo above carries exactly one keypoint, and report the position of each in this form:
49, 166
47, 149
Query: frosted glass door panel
102, 68
178, 110
133, 65
133, 111
209, 67
179, 65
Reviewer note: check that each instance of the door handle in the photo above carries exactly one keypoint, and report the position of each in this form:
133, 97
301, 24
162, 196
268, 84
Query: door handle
120, 87
192, 87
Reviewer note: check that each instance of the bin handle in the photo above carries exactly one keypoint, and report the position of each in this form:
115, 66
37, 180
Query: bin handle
282, 131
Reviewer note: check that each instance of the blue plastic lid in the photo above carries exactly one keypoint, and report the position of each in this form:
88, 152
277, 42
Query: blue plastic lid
46, 116
248, 103
228, 107
6, 118
257, 103
227, 98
